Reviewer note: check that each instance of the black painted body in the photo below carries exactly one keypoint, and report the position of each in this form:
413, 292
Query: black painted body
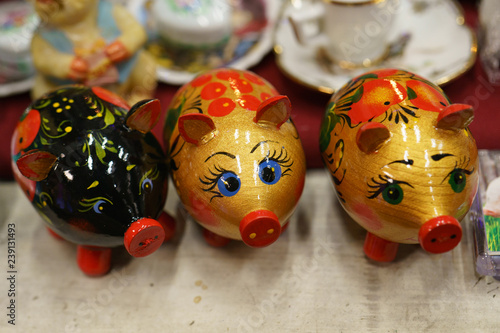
106, 176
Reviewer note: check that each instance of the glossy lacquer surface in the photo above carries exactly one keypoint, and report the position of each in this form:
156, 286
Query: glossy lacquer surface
236, 158
92, 169
402, 160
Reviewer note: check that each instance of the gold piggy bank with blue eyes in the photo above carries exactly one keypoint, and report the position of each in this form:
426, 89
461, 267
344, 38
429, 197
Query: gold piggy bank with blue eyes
402, 160
236, 158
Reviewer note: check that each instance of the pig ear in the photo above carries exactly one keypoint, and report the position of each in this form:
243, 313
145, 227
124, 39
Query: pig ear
455, 117
275, 110
196, 128
36, 165
371, 137
144, 115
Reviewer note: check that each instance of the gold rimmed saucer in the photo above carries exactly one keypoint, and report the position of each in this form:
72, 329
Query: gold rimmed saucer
429, 38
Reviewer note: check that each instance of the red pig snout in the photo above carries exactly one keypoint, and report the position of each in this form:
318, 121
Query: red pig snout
143, 237
260, 228
440, 234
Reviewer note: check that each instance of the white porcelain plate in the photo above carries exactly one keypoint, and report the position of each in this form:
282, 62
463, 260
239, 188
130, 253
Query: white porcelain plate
429, 38
17, 23
16, 87
248, 50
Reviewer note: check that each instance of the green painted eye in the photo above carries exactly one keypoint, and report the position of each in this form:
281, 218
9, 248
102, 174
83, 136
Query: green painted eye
393, 194
457, 180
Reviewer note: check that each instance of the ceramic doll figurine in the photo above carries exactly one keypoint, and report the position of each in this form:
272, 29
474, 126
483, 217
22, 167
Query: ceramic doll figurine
94, 172
236, 158
403, 162
93, 42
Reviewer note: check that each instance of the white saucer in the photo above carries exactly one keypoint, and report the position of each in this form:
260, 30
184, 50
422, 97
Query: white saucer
16, 87
249, 50
436, 44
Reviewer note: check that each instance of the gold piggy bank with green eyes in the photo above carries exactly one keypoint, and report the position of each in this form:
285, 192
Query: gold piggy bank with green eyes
236, 158
402, 160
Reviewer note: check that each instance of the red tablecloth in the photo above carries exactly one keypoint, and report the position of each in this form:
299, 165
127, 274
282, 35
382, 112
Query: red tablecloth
308, 106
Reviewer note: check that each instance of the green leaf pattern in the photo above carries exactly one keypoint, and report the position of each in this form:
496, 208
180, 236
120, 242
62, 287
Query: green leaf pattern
54, 124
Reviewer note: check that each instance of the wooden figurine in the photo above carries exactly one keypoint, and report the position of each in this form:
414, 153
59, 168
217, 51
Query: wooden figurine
403, 162
94, 172
93, 42
236, 158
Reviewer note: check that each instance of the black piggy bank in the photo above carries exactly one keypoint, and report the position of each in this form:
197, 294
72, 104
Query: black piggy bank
94, 172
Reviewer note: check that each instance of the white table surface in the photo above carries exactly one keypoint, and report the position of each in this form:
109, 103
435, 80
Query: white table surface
315, 278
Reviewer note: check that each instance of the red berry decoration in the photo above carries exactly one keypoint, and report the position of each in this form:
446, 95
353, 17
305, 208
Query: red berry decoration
228, 75
242, 86
201, 80
221, 107
374, 98
249, 102
26, 131
386, 72
253, 78
264, 96
110, 97
213, 90
426, 97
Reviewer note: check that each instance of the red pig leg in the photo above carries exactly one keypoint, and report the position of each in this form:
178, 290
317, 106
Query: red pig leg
54, 234
214, 239
168, 224
93, 260
379, 249
284, 227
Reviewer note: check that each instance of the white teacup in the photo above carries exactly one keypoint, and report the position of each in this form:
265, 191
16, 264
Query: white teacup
353, 32
489, 41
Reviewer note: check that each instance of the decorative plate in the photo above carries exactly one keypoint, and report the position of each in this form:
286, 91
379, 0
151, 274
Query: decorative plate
254, 21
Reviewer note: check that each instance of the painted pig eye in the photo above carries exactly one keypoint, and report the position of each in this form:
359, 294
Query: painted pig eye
390, 189
269, 172
147, 185
99, 206
457, 180
393, 194
229, 184
147, 180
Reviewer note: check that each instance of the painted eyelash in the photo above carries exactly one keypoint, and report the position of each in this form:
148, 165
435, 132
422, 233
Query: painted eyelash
88, 204
379, 187
152, 174
285, 161
460, 165
212, 182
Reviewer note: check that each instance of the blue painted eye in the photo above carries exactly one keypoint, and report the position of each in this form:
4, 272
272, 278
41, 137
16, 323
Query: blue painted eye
229, 184
99, 206
147, 185
269, 172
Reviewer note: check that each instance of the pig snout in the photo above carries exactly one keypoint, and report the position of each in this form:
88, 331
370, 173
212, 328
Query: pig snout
440, 234
260, 228
143, 237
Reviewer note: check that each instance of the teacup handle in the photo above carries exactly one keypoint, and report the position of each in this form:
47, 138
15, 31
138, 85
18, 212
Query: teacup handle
306, 25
